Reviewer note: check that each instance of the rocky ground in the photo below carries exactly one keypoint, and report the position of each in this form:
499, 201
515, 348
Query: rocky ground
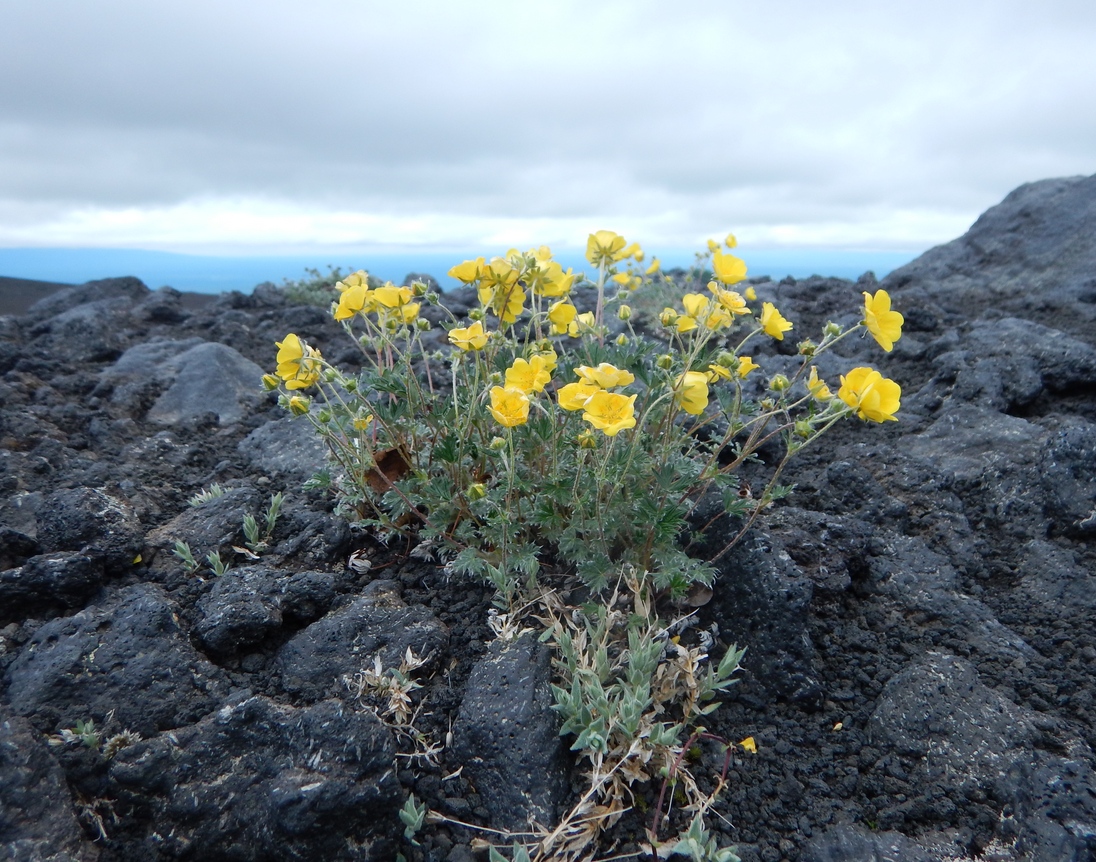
919, 614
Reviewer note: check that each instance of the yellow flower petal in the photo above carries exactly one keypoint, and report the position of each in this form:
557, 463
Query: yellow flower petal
884, 325
773, 322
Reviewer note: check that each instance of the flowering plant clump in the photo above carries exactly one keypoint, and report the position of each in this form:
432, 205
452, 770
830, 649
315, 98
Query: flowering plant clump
541, 446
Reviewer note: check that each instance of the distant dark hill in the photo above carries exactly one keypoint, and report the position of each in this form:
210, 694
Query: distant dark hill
19, 294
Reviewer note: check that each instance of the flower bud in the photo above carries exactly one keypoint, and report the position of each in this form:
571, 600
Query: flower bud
726, 359
803, 428
477, 491
433, 298
351, 385
495, 378
831, 329
422, 324
665, 362
497, 444
586, 440
668, 317
622, 339
270, 382
807, 348
329, 375
624, 312
324, 416
298, 405
418, 288
475, 314
779, 383
767, 403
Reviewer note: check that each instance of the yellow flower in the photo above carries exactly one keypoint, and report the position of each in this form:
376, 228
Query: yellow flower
773, 322
884, 325
574, 396
468, 271
749, 745
528, 375
818, 387
728, 268
746, 365
548, 355
584, 322
691, 392
871, 395
655, 266
361, 423
717, 373
550, 279
352, 280
561, 315
298, 364
713, 246
509, 406
695, 304
469, 337
604, 376
610, 412
352, 301
604, 247
751, 294
507, 300
730, 241
391, 296
408, 313
631, 251
731, 300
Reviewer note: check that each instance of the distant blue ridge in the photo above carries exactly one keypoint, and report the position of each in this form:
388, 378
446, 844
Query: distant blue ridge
215, 274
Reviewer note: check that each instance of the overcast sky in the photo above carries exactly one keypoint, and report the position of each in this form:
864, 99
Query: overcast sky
221, 126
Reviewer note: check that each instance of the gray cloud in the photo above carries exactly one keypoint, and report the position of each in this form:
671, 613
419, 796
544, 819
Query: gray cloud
796, 115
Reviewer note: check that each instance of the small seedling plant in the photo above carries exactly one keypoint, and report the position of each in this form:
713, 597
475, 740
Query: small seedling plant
550, 443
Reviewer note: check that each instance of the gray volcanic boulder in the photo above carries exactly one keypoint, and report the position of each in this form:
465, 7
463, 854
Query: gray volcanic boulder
37, 822
128, 656
1040, 238
259, 781
92, 522
315, 661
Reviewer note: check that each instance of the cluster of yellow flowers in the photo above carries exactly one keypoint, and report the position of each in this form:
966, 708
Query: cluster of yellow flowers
503, 285
388, 302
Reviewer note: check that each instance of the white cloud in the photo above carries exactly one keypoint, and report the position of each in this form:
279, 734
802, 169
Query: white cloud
214, 125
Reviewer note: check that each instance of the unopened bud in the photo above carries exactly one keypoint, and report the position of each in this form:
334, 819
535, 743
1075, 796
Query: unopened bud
351, 385
665, 362
324, 416
477, 491
587, 440
803, 428
270, 382
433, 298
807, 348
831, 329
495, 378
497, 444
418, 288
779, 383
624, 312
726, 359
475, 314
298, 405
668, 317
422, 324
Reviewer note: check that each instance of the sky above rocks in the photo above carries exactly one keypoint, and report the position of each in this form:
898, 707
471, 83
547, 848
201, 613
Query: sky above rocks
228, 127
